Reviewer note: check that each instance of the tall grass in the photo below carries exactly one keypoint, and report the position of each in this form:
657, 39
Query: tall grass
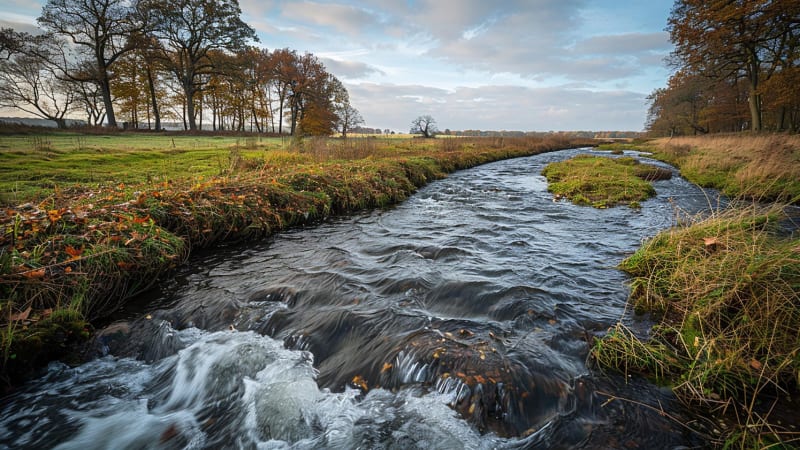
762, 167
727, 290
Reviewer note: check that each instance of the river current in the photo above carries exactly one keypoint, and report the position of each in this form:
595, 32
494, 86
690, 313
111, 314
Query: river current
461, 318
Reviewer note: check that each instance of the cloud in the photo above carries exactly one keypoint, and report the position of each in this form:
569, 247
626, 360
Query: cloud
628, 43
350, 69
499, 107
341, 18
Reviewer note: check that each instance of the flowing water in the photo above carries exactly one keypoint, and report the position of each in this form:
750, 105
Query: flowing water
459, 319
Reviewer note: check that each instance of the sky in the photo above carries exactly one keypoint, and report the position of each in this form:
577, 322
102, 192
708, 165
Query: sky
529, 65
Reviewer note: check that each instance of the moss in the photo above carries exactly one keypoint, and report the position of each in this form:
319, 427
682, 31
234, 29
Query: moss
33, 345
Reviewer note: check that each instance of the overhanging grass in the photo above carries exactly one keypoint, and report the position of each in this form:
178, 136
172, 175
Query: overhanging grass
76, 255
727, 290
603, 182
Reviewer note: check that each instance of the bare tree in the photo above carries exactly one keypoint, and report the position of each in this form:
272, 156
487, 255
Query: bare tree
100, 30
424, 125
27, 82
12, 42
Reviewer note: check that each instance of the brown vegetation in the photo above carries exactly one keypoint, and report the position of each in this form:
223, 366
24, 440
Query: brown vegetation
763, 167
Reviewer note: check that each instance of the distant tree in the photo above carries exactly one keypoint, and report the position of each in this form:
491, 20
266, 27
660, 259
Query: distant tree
424, 125
188, 31
27, 82
101, 31
347, 116
88, 96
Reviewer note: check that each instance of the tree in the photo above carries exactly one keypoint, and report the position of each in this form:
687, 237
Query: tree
731, 40
424, 125
100, 30
27, 82
12, 42
189, 30
347, 117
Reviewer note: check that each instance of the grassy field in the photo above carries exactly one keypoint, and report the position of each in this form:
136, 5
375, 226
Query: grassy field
89, 221
34, 167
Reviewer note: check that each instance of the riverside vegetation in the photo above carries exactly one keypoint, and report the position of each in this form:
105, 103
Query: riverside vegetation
603, 182
725, 290
89, 221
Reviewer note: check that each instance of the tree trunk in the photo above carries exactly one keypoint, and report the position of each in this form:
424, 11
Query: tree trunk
280, 116
754, 98
154, 102
754, 103
105, 90
189, 90
61, 123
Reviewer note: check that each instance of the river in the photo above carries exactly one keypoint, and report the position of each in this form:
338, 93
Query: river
461, 318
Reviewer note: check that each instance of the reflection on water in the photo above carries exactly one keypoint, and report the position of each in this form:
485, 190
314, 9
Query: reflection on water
459, 319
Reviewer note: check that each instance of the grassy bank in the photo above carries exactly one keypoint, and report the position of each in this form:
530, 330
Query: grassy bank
761, 167
603, 182
725, 291
75, 254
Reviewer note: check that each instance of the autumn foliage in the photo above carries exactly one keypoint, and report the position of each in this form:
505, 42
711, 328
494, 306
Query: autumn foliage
737, 68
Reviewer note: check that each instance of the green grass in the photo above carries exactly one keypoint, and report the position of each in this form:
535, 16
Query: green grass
33, 167
727, 291
603, 182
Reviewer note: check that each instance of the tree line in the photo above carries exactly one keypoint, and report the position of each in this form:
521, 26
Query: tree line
143, 62
737, 68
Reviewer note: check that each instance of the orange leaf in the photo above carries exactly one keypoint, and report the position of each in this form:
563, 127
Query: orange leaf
386, 367
38, 273
145, 219
54, 215
73, 252
360, 382
755, 364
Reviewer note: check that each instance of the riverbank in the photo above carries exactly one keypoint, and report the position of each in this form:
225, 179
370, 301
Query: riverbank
76, 255
764, 167
725, 291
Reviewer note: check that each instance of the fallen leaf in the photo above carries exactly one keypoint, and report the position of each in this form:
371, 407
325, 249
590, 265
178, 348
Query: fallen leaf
38, 273
755, 364
20, 316
386, 367
360, 382
74, 253
54, 215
